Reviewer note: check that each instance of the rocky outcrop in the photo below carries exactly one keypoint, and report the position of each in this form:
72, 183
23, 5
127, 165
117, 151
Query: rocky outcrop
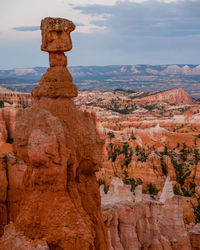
10, 237
3, 198
14, 97
11, 177
118, 192
8, 114
7, 123
62, 149
147, 224
3, 130
195, 237
172, 96
175, 70
185, 70
167, 192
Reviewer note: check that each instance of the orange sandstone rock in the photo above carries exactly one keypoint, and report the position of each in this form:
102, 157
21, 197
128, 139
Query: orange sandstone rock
177, 95
57, 81
10, 237
13, 97
195, 237
11, 176
60, 203
147, 225
9, 115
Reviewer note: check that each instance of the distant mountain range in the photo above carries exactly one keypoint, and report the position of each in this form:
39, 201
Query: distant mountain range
133, 77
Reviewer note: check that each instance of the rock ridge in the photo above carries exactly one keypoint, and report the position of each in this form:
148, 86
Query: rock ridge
176, 96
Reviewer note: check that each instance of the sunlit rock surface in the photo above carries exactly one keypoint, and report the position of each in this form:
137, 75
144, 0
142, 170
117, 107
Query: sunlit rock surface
146, 224
60, 202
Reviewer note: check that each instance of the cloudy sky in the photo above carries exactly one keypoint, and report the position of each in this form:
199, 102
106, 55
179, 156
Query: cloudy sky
108, 31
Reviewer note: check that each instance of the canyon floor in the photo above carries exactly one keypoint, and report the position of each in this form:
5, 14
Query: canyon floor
148, 137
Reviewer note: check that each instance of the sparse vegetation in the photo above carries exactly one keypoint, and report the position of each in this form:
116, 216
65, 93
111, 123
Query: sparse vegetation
132, 144
176, 190
133, 136
182, 171
134, 183
142, 156
152, 189
106, 187
197, 210
1, 104
164, 166
111, 135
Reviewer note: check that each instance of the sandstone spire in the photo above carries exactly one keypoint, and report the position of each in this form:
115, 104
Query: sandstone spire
62, 149
56, 40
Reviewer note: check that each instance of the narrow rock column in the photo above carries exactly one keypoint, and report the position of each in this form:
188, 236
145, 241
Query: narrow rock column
138, 193
62, 149
167, 192
57, 82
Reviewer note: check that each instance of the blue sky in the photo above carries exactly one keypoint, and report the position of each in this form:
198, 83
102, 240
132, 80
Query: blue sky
108, 31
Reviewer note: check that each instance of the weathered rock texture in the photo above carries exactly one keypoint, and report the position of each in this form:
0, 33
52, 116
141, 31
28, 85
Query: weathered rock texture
177, 96
118, 192
13, 240
14, 97
11, 177
7, 127
57, 82
195, 237
3, 130
147, 224
62, 149
8, 115
167, 191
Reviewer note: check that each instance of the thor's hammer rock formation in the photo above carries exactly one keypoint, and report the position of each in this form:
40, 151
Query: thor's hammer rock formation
62, 149
57, 82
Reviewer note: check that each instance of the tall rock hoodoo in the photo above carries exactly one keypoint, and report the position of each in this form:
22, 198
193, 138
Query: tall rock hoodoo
62, 149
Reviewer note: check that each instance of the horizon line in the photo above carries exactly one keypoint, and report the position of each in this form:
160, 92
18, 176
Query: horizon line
107, 65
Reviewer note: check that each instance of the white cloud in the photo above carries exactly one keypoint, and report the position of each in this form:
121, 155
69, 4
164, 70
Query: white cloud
127, 31
22, 13
29, 13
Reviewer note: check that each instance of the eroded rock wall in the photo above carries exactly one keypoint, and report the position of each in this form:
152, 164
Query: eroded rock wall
62, 149
178, 96
146, 225
11, 178
18, 98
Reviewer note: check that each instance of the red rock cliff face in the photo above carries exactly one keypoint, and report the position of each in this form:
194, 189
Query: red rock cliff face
62, 149
20, 99
9, 116
147, 225
177, 96
11, 176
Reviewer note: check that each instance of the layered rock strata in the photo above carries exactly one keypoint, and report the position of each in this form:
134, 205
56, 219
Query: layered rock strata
14, 97
195, 237
118, 192
146, 224
8, 115
10, 237
176, 96
62, 149
11, 177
